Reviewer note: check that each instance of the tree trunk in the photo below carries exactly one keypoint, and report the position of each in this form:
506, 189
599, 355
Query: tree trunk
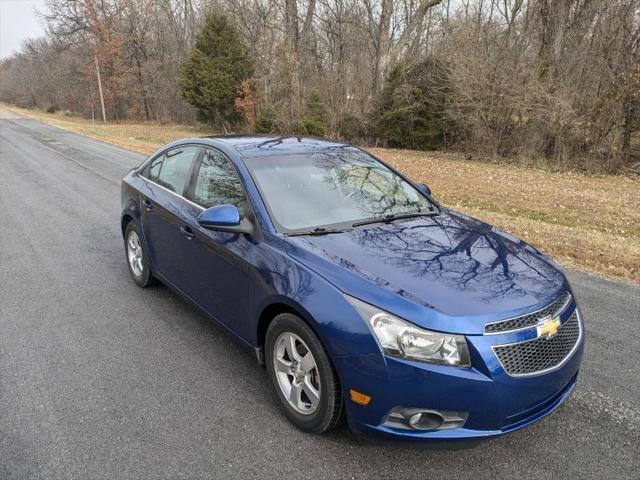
627, 111
391, 56
296, 41
382, 45
143, 90
291, 24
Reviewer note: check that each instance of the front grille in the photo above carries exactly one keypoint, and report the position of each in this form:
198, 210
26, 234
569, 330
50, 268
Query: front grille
554, 309
541, 354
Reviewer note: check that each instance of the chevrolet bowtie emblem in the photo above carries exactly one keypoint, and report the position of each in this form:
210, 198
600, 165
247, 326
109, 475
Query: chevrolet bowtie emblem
549, 327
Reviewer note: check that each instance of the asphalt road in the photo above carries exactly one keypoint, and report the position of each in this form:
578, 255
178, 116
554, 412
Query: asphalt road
101, 379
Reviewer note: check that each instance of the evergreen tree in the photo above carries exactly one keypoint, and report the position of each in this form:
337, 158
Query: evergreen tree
412, 107
212, 75
315, 120
352, 129
266, 121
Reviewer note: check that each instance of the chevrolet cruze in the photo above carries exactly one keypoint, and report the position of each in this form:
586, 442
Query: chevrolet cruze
359, 293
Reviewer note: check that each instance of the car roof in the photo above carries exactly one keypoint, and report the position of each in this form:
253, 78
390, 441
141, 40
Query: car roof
263, 145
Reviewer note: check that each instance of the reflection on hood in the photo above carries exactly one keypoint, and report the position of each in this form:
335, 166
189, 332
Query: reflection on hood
451, 262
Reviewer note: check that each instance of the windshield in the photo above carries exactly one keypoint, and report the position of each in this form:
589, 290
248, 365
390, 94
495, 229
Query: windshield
331, 190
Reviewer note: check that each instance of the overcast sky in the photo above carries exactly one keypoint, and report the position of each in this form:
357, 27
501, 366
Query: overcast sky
18, 21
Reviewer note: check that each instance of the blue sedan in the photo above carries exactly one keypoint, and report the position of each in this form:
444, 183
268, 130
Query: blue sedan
361, 295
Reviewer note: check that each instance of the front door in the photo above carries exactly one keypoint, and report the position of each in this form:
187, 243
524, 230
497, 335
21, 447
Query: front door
215, 270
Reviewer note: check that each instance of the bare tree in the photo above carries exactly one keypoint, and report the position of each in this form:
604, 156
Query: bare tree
555, 81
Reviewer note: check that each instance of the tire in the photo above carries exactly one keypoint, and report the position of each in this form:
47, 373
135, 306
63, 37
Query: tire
139, 269
303, 377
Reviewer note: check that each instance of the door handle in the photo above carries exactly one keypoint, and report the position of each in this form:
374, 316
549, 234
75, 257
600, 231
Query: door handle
147, 204
187, 232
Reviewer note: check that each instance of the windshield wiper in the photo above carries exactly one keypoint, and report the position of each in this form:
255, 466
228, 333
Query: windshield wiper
318, 231
391, 217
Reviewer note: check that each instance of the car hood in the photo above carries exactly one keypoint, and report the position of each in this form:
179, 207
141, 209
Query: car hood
448, 272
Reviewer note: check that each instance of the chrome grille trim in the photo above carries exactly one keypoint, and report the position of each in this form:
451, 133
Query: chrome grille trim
528, 320
516, 349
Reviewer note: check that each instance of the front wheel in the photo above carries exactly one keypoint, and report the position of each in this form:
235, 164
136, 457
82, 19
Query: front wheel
302, 375
137, 259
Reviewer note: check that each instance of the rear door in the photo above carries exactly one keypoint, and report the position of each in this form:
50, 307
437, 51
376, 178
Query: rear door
164, 210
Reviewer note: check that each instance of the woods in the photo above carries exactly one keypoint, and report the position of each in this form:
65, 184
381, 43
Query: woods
555, 82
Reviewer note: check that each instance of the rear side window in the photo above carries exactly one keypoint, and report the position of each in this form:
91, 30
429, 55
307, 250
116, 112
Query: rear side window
218, 183
171, 170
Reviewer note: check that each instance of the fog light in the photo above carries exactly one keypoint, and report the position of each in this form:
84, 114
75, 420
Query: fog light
426, 421
410, 418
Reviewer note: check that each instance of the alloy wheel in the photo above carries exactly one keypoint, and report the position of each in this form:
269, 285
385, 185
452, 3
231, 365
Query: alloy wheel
134, 253
297, 373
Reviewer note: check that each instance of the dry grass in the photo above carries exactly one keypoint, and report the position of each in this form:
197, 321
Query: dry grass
588, 222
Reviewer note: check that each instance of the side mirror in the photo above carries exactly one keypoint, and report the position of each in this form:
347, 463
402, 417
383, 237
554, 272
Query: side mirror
225, 218
423, 188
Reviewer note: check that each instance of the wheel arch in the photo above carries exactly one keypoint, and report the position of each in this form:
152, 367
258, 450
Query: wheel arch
274, 308
284, 305
124, 222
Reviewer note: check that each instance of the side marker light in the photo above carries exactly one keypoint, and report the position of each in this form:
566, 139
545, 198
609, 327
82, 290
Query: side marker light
359, 398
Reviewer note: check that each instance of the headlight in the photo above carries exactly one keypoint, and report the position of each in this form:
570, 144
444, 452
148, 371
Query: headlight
399, 338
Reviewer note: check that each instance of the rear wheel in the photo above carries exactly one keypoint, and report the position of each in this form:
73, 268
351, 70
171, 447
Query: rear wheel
137, 259
305, 382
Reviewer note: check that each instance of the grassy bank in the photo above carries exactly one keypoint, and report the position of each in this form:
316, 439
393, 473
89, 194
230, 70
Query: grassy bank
588, 222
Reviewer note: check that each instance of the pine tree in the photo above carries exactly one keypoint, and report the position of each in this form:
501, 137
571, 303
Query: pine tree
266, 121
315, 121
412, 106
212, 75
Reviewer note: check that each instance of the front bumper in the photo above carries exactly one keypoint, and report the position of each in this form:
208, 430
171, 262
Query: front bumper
496, 403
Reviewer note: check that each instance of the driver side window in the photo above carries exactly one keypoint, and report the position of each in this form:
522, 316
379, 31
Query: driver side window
218, 183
